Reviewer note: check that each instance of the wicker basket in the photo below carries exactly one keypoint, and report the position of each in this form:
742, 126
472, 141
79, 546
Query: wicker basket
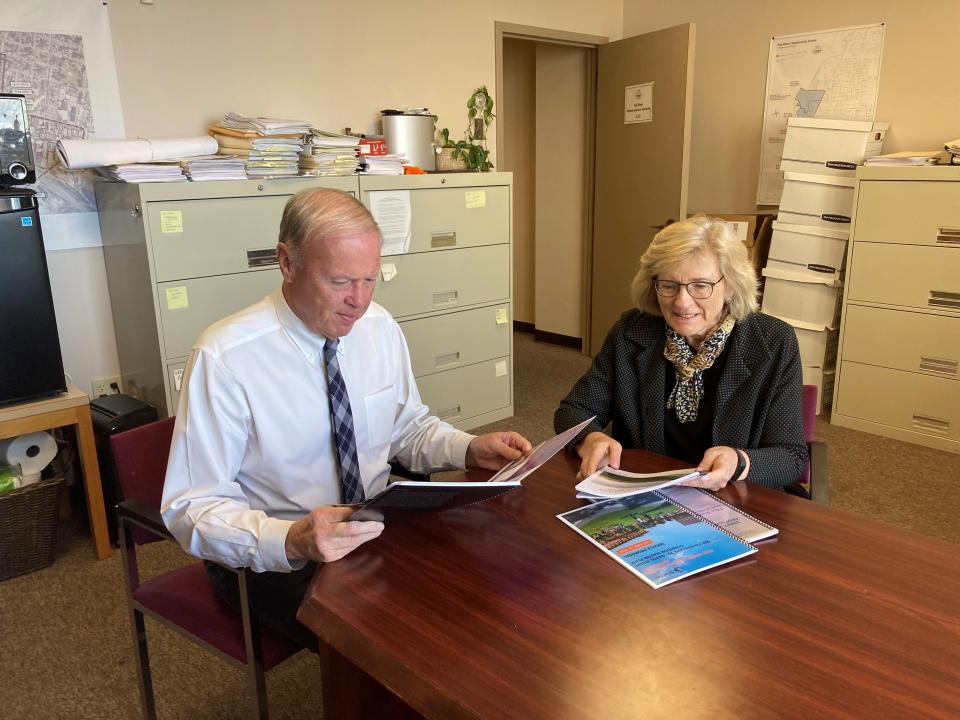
28, 527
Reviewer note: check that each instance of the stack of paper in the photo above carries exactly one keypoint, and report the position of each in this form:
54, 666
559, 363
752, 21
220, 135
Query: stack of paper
263, 156
907, 157
215, 167
383, 164
263, 126
327, 153
953, 151
145, 172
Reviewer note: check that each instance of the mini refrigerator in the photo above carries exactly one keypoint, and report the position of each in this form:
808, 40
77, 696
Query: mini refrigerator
31, 366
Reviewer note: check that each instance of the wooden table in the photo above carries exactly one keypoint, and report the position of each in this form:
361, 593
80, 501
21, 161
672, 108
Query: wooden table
501, 611
73, 408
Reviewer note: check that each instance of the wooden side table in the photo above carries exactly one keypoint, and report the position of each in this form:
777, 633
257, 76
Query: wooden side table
73, 408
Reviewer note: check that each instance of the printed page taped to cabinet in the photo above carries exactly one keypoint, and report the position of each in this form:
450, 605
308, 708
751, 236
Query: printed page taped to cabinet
391, 210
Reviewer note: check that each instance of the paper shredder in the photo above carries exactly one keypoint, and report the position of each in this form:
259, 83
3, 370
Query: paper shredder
112, 414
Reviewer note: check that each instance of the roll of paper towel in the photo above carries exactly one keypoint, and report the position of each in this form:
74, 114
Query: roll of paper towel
33, 452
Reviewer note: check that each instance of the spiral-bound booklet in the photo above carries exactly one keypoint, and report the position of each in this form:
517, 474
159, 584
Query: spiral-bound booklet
656, 538
710, 507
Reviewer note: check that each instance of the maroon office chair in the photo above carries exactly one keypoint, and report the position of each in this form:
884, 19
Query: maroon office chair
814, 483
181, 599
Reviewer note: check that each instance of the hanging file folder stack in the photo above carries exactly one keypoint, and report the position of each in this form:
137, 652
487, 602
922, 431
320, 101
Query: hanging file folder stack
804, 271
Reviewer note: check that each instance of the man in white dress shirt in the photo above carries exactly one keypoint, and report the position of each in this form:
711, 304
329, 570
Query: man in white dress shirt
253, 478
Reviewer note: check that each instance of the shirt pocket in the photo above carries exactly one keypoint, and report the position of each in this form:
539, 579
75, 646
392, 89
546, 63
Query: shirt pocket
381, 409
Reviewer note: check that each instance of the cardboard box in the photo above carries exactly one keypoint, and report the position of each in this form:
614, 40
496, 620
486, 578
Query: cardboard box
819, 200
812, 251
818, 343
373, 146
796, 298
754, 231
823, 379
830, 147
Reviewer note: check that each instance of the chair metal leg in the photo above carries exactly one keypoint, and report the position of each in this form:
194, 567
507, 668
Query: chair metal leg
251, 637
144, 678
258, 690
131, 576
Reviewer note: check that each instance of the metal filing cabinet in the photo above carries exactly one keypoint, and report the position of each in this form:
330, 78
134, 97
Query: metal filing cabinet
181, 256
899, 350
451, 291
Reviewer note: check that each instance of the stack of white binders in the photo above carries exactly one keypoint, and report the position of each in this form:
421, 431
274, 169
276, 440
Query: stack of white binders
805, 265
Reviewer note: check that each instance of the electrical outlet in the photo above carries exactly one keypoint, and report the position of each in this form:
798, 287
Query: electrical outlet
103, 386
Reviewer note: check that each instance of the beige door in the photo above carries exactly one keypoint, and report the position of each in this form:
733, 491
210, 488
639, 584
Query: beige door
641, 167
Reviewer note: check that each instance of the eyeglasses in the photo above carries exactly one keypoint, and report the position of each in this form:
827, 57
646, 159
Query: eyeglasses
699, 290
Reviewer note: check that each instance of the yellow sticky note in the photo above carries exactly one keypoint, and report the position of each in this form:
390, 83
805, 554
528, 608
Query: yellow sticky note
476, 199
500, 368
177, 298
171, 221
501, 316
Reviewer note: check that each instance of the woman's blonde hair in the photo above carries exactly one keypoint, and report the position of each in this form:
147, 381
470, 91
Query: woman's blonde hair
677, 243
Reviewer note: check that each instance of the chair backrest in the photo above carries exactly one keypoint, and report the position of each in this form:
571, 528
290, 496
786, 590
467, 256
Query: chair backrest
808, 411
140, 461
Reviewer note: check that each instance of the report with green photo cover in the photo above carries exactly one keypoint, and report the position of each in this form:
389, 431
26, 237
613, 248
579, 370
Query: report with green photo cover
655, 538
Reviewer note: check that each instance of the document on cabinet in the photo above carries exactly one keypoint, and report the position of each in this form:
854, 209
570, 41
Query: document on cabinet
391, 210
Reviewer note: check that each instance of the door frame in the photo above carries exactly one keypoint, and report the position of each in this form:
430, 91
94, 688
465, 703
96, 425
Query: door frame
550, 36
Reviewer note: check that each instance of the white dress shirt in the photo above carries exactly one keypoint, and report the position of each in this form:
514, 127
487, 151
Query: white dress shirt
253, 448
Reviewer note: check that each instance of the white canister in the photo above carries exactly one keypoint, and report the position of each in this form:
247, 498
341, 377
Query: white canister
413, 136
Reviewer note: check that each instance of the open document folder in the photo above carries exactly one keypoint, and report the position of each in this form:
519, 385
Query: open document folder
410, 497
610, 482
520, 468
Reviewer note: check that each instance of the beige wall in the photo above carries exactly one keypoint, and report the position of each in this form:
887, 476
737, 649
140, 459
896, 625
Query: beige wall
181, 64
918, 93
559, 217
518, 154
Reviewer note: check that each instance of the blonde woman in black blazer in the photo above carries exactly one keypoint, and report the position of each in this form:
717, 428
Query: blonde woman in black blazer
695, 372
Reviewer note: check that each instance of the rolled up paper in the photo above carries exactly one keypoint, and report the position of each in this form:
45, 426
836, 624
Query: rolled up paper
80, 154
33, 452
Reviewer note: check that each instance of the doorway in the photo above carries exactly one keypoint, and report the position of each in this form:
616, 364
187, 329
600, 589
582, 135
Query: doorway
597, 135
546, 94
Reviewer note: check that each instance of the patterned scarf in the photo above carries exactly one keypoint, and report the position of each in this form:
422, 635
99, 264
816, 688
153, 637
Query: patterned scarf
688, 391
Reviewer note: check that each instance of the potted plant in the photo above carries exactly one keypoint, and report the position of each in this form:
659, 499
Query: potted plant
470, 153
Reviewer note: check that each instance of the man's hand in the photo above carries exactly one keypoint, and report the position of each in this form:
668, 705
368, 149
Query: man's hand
324, 536
494, 450
597, 450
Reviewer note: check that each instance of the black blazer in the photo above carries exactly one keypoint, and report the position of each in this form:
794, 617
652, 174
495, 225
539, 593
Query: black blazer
758, 397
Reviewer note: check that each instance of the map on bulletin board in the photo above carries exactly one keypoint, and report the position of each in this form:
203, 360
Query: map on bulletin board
58, 54
831, 74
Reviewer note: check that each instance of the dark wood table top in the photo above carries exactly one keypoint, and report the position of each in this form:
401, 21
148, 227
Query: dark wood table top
500, 610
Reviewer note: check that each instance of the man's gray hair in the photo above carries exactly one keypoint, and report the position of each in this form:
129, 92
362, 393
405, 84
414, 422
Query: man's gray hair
319, 214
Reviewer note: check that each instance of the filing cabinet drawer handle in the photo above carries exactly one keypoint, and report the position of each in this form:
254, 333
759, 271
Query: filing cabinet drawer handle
944, 299
445, 297
449, 413
948, 236
262, 258
940, 366
444, 239
931, 424
447, 359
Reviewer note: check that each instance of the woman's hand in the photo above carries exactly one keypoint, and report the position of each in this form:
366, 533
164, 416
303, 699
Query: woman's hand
597, 450
720, 463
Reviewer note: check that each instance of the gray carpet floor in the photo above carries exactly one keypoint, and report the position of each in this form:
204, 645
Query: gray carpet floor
65, 642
